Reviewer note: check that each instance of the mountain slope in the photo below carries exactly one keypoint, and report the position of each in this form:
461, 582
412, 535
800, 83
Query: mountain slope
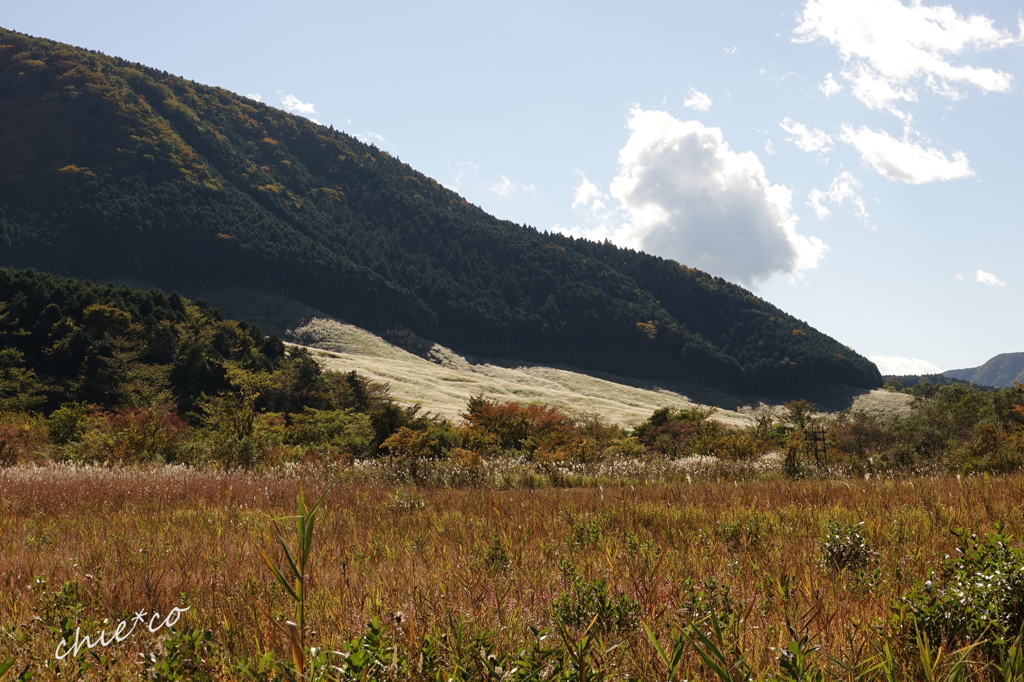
1003, 370
112, 169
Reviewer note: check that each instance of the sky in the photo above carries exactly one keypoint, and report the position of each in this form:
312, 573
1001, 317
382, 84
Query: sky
857, 164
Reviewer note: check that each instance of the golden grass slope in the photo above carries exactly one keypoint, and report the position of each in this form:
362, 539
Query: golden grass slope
442, 381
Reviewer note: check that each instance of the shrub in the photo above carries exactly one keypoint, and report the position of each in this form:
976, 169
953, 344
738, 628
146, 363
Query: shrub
750, 531
144, 435
845, 548
681, 433
496, 557
585, 533
22, 435
593, 602
341, 431
698, 602
188, 654
978, 594
68, 423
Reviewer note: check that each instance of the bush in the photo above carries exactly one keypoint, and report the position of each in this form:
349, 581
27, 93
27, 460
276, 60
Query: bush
699, 602
496, 557
744, 533
845, 548
68, 423
584, 534
340, 431
978, 594
681, 433
22, 435
593, 602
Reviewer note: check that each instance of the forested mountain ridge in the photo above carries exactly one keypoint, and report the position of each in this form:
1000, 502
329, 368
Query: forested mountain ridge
109, 168
1002, 370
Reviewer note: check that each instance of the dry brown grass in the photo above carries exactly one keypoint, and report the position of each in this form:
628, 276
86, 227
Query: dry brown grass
133, 539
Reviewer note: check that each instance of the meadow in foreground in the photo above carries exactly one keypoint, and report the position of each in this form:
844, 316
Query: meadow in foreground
812, 579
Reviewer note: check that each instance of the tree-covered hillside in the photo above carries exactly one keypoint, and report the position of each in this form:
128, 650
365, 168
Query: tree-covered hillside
109, 168
1005, 369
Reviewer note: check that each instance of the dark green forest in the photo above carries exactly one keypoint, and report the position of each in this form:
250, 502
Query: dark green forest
133, 376
113, 169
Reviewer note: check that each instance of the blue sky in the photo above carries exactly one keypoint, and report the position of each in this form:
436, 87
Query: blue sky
858, 164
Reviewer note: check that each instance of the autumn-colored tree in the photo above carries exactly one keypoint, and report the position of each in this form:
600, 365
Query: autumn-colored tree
513, 426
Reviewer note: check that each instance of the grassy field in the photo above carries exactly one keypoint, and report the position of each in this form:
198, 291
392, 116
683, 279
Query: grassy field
460, 575
442, 381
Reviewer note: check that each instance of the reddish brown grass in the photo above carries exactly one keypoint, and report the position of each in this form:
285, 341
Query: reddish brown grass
156, 538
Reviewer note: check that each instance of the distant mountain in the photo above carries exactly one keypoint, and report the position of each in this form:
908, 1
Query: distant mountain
113, 170
1004, 369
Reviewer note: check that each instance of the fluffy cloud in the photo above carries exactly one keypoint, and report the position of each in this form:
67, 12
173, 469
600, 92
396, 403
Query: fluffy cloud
585, 192
989, 279
903, 159
808, 140
506, 187
895, 365
830, 86
697, 100
844, 187
255, 96
892, 49
688, 196
297, 106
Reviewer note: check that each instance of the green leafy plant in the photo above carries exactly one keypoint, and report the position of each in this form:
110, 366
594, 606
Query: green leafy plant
699, 601
977, 595
844, 547
187, 655
593, 604
585, 533
496, 557
293, 579
6, 665
722, 655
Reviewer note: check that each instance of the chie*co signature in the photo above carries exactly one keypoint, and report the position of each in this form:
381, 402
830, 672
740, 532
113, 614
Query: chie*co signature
119, 634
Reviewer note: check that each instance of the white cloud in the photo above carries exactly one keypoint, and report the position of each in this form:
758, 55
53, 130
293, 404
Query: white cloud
297, 106
255, 96
830, 86
903, 159
895, 365
585, 192
769, 148
697, 100
689, 197
989, 279
730, 50
892, 49
506, 187
808, 140
843, 187
958, 276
